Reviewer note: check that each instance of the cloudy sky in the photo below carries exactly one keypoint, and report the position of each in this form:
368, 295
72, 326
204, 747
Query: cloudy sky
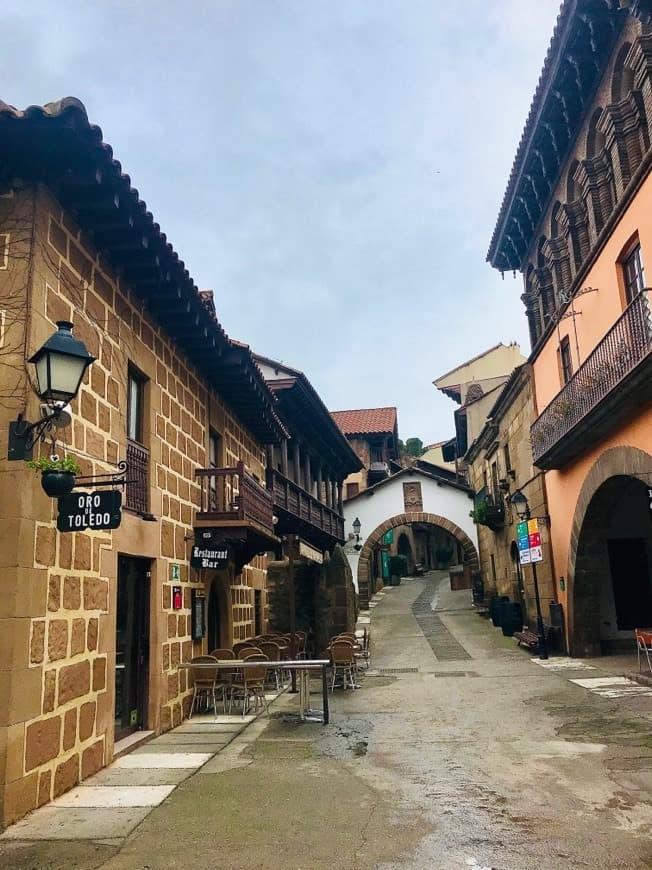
332, 169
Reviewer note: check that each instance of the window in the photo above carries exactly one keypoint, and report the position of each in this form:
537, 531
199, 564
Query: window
494, 480
137, 494
565, 360
352, 489
376, 454
135, 410
508, 458
214, 461
633, 274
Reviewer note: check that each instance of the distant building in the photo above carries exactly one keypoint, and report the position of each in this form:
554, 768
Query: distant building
373, 435
475, 385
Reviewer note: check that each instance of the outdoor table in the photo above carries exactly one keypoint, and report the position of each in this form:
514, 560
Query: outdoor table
304, 666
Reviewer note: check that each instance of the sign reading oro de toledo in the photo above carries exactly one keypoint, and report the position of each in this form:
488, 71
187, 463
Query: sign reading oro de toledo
80, 511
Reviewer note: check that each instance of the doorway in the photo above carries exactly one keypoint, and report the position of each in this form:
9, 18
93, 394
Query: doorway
630, 579
131, 645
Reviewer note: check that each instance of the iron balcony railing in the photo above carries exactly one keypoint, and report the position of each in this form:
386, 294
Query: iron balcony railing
294, 500
614, 358
228, 494
137, 489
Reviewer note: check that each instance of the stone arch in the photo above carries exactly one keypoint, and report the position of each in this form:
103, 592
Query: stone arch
612, 471
471, 558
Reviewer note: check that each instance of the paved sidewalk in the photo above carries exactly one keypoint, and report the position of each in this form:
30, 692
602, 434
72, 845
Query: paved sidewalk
108, 806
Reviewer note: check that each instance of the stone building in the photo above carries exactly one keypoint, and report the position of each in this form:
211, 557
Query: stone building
94, 624
499, 463
305, 475
576, 222
373, 435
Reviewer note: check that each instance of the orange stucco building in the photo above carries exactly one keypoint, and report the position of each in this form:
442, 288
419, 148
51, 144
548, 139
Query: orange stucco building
576, 220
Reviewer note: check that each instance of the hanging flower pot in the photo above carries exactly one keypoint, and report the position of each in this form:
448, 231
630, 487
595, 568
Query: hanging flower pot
57, 475
56, 483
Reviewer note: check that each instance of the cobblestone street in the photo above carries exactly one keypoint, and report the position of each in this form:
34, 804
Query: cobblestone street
458, 750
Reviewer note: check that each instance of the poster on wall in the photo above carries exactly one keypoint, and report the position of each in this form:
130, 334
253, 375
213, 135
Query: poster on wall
198, 614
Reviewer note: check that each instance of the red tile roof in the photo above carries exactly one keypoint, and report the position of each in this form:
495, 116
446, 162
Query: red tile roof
366, 421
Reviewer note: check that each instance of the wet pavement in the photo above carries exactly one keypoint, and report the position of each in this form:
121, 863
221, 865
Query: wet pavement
459, 750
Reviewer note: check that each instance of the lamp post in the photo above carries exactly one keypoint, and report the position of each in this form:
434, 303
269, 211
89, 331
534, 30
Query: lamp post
60, 366
522, 506
356, 525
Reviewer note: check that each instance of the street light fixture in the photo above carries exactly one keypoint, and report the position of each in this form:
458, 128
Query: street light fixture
522, 506
60, 367
357, 525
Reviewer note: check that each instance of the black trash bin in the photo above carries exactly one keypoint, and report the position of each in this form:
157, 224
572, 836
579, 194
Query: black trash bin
495, 608
511, 618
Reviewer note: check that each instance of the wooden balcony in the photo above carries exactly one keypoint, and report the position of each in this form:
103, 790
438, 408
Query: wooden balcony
232, 497
610, 385
301, 513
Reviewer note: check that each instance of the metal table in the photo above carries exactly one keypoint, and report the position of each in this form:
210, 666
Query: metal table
304, 666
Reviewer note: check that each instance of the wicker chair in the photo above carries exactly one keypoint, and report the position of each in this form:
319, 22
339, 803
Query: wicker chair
205, 682
250, 683
343, 662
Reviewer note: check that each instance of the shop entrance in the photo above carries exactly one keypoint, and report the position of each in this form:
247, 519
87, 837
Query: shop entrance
132, 645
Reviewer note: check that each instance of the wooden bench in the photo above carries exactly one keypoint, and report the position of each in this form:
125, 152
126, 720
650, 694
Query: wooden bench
527, 638
530, 639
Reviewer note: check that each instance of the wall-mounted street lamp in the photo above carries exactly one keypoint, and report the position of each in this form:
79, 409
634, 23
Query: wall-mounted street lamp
356, 525
522, 507
60, 367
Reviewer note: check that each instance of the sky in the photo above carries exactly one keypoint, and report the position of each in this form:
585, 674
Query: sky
331, 169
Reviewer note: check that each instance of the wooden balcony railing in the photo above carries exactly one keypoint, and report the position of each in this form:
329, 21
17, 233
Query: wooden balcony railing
137, 489
229, 494
608, 371
294, 500
488, 510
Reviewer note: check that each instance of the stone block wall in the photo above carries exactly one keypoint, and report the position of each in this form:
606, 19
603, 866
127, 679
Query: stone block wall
57, 623
500, 575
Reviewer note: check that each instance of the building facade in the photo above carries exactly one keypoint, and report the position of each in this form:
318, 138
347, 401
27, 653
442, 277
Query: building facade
575, 221
94, 624
305, 474
499, 463
373, 435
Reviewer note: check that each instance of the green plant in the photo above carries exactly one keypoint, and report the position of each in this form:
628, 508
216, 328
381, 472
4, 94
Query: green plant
55, 463
479, 513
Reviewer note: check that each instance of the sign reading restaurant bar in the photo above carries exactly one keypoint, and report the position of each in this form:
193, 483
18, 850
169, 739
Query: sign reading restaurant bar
209, 555
79, 511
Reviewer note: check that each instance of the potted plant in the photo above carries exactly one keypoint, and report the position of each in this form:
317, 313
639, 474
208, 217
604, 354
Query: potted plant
57, 473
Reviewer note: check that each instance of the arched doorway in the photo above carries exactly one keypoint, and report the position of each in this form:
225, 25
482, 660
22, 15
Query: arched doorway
610, 563
218, 613
404, 548
469, 553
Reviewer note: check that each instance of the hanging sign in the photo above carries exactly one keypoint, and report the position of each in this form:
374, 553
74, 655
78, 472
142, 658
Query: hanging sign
209, 556
80, 511
528, 540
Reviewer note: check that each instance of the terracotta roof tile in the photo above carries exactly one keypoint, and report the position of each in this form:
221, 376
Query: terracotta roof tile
366, 421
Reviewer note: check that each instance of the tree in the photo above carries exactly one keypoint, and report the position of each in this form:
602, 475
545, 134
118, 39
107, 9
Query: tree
414, 446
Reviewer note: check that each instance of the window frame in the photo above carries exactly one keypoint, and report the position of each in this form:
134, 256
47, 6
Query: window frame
632, 280
565, 360
138, 380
